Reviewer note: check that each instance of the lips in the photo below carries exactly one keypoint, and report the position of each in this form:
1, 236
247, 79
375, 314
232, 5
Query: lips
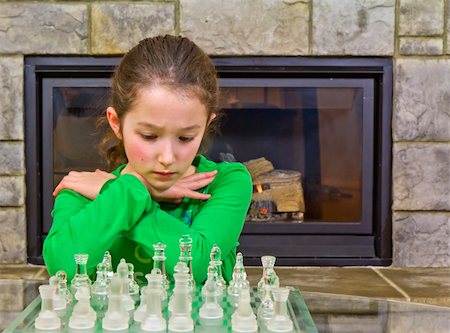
164, 174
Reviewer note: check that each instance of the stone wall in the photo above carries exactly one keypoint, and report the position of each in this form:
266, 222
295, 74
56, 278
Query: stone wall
413, 32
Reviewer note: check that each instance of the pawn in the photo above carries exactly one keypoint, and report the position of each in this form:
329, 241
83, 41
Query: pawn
281, 322
122, 272
239, 278
153, 320
59, 303
83, 316
243, 319
63, 290
116, 317
47, 318
211, 292
100, 287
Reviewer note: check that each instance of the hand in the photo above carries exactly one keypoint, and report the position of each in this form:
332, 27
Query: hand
185, 188
87, 184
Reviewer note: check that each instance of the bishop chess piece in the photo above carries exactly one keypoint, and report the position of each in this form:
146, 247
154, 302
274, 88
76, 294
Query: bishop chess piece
268, 263
239, 279
116, 317
133, 287
47, 318
281, 322
153, 320
180, 305
81, 277
243, 320
159, 259
59, 302
216, 258
186, 257
122, 272
83, 316
107, 261
63, 290
211, 291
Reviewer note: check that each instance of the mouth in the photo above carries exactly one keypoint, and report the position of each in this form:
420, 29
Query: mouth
164, 174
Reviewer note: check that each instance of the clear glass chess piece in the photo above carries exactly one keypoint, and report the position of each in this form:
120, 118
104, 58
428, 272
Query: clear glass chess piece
268, 263
159, 259
116, 317
63, 290
133, 287
180, 319
216, 257
211, 291
81, 277
186, 256
243, 319
122, 272
83, 316
281, 322
100, 288
59, 302
107, 261
238, 281
153, 320
47, 318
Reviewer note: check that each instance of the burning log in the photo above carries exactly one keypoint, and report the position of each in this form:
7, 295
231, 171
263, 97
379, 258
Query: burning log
258, 167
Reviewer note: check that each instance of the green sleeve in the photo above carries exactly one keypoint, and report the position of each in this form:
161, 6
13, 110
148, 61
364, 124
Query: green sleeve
84, 226
220, 220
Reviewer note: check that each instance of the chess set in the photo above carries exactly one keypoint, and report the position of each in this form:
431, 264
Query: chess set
116, 303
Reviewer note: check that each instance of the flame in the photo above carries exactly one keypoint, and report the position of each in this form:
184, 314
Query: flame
259, 188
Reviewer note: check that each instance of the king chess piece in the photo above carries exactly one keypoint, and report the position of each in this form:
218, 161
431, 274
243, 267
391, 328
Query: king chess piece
180, 304
47, 318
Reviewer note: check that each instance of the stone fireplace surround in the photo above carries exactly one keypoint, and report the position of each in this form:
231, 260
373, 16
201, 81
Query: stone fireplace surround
414, 33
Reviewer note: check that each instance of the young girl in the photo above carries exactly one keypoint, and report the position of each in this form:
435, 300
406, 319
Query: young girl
164, 103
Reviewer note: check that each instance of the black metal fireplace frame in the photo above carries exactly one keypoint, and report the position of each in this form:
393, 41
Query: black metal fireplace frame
293, 244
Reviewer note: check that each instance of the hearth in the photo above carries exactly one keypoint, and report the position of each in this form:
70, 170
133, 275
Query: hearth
313, 132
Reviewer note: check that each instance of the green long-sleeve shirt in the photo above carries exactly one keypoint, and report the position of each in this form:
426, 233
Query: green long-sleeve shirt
124, 220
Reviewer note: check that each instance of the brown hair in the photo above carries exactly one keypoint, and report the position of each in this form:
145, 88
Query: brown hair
172, 61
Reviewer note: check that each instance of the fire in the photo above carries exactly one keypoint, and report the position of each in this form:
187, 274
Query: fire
259, 188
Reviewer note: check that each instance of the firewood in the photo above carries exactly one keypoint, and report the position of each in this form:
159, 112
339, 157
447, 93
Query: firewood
258, 167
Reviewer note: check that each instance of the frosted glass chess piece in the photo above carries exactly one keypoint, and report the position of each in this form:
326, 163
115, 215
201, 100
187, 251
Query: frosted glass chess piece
63, 290
181, 305
243, 320
268, 263
116, 317
122, 272
155, 275
216, 258
186, 257
153, 320
83, 316
211, 291
59, 302
100, 288
47, 318
107, 261
181, 267
238, 281
133, 287
81, 277
159, 259
281, 322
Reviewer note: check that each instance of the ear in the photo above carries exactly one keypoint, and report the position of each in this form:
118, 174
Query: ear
211, 118
114, 121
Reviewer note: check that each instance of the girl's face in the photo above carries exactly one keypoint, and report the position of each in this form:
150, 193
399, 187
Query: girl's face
161, 133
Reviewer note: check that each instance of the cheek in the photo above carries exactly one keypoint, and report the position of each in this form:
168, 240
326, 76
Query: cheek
136, 152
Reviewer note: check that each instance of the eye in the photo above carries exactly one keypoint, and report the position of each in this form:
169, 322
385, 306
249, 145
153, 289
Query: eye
148, 137
186, 138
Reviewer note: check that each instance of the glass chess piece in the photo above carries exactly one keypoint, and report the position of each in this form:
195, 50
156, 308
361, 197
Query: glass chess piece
83, 316
243, 320
116, 317
159, 259
47, 318
122, 272
181, 305
216, 257
211, 291
155, 275
186, 256
59, 303
238, 281
281, 322
63, 290
268, 263
153, 320
81, 277
100, 288
181, 268
107, 261
133, 287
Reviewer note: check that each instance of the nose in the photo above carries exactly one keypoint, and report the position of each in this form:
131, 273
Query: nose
166, 156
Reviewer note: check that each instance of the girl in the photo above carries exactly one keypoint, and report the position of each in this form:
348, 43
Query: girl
164, 103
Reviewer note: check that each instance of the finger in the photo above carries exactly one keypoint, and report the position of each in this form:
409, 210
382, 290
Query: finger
195, 195
204, 178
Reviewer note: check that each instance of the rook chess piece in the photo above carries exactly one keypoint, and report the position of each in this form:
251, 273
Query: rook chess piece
281, 322
83, 316
81, 277
47, 318
159, 259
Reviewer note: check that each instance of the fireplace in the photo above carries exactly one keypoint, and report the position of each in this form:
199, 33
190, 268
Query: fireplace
314, 132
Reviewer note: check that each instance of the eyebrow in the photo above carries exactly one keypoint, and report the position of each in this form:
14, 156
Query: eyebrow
150, 125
